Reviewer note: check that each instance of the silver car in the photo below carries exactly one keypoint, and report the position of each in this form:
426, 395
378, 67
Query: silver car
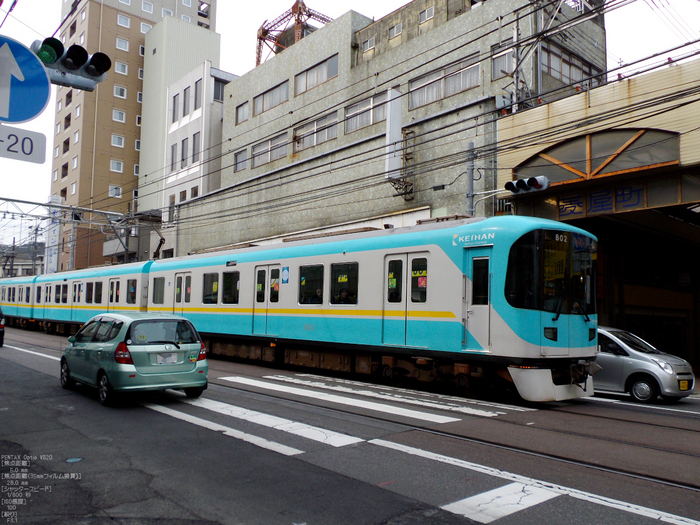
630, 364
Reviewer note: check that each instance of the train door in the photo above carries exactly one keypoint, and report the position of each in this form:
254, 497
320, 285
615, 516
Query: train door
114, 295
405, 297
183, 292
267, 292
477, 299
76, 298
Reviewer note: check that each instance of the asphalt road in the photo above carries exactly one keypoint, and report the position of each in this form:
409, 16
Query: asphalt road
265, 446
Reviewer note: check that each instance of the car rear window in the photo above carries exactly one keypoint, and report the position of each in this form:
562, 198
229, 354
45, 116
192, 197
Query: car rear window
162, 331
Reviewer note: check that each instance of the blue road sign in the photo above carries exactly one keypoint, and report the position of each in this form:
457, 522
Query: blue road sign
24, 83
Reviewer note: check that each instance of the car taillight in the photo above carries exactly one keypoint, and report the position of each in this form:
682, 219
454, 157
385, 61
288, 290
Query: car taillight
202, 353
122, 354
2, 323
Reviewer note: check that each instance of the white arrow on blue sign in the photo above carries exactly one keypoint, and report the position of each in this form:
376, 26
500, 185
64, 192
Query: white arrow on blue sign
24, 83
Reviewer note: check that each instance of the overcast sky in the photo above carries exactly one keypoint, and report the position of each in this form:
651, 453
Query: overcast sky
643, 28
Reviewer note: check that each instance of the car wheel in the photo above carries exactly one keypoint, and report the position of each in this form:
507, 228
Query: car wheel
66, 381
643, 390
104, 390
193, 393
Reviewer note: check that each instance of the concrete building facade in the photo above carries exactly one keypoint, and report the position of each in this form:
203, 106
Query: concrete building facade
97, 134
365, 119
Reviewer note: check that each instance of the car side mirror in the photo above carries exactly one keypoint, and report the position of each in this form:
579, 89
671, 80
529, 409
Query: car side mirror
71, 339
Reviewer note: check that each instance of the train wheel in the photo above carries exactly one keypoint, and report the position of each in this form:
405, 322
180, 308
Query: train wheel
462, 382
387, 373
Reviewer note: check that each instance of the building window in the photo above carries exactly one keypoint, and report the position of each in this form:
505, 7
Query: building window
58, 128
120, 91
187, 3
196, 139
77, 111
118, 141
123, 20
317, 132
75, 162
176, 102
73, 186
186, 102
219, 90
173, 158
56, 152
240, 160
270, 150
115, 191
242, 113
118, 115
66, 146
76, 137
365, 113
198, 94
60, 105
183, 195
426, 15
121, 68
394, 31
183, 152
64, 172
186, 18
194, 192
122, 44
501, 63
116, 166
140, 73
69, 98
145, 28
66, 122
55, 175
82, 38
271, 98
138, 120
316, 75
136, 169
567, 67
367, 45
137, 145
167, 12
139, 97
127, 2
147, 6
444, 82
142, 52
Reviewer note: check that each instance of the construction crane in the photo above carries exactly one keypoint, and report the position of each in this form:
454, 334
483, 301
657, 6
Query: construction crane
273, 31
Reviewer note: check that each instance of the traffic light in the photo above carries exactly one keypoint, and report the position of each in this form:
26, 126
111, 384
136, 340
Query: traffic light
71, 67
529, 184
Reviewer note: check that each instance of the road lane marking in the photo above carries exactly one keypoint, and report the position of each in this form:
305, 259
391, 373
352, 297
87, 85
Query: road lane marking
501, 502
388, 396
33, 353
641, 405
357, 403
321, 435
537, 484
227, 431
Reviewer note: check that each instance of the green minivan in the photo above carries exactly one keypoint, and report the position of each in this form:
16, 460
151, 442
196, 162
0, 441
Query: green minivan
121, 352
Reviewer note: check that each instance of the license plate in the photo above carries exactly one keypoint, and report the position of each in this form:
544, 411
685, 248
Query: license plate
683, 385
165, 359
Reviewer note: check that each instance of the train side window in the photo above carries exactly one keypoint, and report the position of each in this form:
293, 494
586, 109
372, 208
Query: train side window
188, 288
21, 293
395, 281
419, 280
311, 284
2, 293
158, 290
48, 293
274, 285
64, 294
232, 285
344, 283
38, 294
178, 289
260, 287
480, 281
89, 290
131, 291
98, 292
57, 298
114, 291
29, 295
210, 288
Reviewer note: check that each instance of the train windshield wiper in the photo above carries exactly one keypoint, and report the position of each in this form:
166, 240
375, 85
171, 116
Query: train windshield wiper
579, 309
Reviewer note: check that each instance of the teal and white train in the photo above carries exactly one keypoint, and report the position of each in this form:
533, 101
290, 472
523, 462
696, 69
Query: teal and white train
478, 300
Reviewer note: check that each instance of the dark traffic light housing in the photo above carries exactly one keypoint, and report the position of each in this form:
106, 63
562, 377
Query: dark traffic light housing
71, 67
528, 184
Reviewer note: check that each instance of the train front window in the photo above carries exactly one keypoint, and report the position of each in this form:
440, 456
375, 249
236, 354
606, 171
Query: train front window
553, 271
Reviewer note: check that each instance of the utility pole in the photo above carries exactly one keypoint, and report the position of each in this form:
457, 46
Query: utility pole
470, 179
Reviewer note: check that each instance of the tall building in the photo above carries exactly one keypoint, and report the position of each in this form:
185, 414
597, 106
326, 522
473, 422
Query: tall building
97, 139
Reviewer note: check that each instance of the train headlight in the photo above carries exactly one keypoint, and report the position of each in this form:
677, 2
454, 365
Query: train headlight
663, 364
